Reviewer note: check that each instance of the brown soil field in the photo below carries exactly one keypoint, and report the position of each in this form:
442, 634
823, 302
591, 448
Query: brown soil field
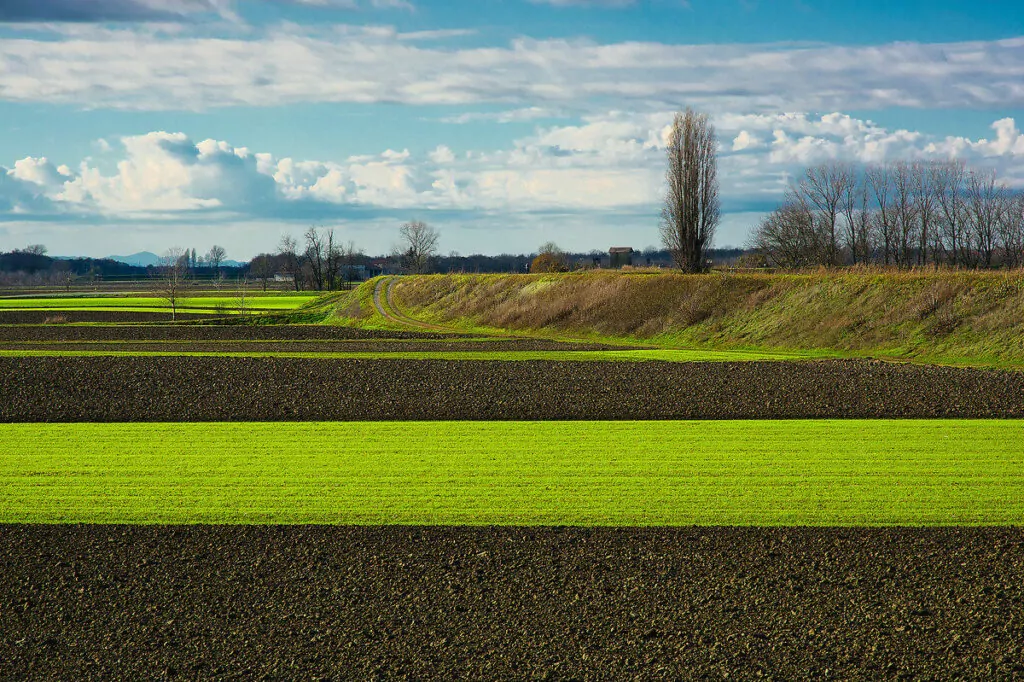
121, 389
145, 602
203, 332
351, 346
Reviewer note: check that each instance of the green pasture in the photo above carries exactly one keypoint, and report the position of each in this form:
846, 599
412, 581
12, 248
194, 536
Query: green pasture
816, 473
228, 303
501, 356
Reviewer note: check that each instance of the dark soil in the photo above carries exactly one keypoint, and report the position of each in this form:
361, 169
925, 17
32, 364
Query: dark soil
341, 346
203, 332
120, 389
150, 602
45, 316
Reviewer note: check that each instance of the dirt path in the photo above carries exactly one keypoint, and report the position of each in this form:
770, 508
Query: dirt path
383, 290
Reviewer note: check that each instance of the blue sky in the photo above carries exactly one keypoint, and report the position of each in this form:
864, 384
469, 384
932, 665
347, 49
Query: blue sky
143, 124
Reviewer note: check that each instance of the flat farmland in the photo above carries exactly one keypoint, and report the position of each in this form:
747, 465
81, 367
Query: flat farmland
241, 500
129, 388
203, 304
766, 473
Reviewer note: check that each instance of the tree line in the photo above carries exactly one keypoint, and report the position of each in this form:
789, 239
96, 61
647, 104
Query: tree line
903, 214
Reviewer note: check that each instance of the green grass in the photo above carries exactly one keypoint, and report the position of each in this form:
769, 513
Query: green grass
868, 473
150, 303
954, 318
502, 356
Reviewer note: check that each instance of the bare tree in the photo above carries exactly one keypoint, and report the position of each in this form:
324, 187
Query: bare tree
349, 255
692, 207
880, 180
904, 212
923, 178
948, 184
35, 250
983, 206
1011, 230
418, 246
316, 256
215, 256
262, 268
173, 277
292, 261
824, 188
242, 296
787, 237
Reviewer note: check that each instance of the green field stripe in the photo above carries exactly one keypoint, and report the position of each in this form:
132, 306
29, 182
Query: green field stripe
504, 356
815, 472
149, 303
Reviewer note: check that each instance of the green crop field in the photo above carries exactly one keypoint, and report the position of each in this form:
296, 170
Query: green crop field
253, 301
504, 356
838, 472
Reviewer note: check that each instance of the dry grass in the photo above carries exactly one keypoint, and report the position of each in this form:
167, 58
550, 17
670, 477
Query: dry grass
945, 314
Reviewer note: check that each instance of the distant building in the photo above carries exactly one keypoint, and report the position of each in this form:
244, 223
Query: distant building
620, 256
282, 277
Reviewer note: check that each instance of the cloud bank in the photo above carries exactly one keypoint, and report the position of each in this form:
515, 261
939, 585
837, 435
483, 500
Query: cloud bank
609, 162
130, 68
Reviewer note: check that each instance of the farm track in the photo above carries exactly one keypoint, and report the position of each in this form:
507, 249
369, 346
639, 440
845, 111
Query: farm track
123, 389
383, 293
217, 602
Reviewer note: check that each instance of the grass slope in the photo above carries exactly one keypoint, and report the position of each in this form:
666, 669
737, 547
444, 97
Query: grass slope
946, 317
865, 473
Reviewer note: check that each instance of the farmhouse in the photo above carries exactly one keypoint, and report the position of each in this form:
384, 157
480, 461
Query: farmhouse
619, 256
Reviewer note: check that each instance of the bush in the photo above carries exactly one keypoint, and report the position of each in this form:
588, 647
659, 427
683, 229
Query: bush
549, 262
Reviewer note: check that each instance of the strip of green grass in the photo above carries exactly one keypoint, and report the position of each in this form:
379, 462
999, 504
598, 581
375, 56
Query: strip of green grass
144, 303
820, 472
502, 356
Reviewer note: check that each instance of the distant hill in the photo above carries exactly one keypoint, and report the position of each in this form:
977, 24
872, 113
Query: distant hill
141, 259
144, 259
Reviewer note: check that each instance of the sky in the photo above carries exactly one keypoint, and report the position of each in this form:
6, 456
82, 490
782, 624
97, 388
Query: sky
131, 125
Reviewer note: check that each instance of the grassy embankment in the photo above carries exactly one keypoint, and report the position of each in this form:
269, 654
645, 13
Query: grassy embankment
974, 318
870, 473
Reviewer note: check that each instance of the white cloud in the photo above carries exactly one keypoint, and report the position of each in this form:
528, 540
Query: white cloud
744, 141
510, 116
290, 64
442, 155
610, 164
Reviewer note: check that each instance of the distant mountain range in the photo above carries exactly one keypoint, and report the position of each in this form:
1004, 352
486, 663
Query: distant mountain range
144, 259
141, 259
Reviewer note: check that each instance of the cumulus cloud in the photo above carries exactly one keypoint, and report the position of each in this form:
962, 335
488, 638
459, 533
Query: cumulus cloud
613, 162
290, 64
